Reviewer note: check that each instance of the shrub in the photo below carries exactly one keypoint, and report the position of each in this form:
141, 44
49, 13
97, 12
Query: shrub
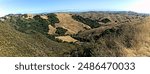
52, 19
61, 31
106, 20
87, 21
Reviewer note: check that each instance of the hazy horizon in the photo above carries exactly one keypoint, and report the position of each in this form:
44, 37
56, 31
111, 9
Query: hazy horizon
45, 6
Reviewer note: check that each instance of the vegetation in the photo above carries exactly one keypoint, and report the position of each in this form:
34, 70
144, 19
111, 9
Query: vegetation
14, 43
32, 25
29, 37
35, 25
106, 20
61, 31
52, 19
87, 21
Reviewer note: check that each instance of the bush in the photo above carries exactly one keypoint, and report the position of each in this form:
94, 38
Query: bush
84, 50
41, 25
61, 31
87, 21
32, 25
52, 19
106, 20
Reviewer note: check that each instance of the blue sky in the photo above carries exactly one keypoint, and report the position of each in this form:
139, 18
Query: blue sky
39, 6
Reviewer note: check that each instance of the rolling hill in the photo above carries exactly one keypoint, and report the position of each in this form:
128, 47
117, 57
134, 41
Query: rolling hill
82, 34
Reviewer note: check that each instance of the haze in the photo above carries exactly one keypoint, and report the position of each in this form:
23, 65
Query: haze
40, 6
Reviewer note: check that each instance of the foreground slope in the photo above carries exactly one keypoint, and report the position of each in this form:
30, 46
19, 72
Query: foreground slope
15, 43
128, 39
143, 47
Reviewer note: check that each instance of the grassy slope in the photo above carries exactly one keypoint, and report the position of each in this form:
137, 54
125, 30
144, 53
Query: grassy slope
15, 43
126, 39
129, 39
142, 47
68, 23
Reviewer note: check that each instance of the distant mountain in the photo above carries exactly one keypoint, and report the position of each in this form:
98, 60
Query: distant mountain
75, 34
120, 12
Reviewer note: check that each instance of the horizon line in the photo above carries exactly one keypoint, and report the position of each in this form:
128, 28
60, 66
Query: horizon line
73, 11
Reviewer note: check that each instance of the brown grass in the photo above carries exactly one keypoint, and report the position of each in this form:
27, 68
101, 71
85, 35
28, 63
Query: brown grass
128, 39
142, 45
68, 23
14, 43
66, 38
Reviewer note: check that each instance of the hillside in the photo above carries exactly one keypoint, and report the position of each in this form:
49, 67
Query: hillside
15, 43
84, 34
71, 25
132, 39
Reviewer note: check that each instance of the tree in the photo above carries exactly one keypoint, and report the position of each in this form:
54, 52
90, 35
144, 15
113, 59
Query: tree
87, 21
61, 31
52, 19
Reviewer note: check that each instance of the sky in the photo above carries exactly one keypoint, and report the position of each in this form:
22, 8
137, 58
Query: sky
42, 6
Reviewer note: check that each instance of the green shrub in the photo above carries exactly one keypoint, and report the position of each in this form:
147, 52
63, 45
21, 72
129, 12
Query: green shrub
52, 19
61, 31
106, 20
32, 25
87, 21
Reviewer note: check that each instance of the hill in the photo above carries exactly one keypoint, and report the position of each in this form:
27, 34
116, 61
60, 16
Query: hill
15, 43
83, 34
